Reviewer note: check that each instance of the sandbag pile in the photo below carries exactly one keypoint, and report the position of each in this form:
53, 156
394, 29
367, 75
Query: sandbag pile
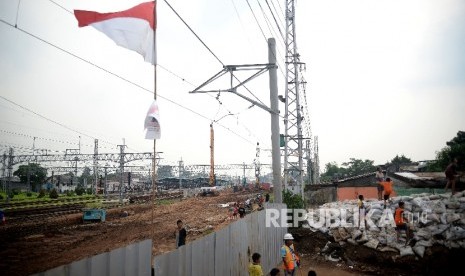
434, 219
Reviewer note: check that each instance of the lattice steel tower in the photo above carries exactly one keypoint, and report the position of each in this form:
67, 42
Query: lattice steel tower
295, 111
316, 158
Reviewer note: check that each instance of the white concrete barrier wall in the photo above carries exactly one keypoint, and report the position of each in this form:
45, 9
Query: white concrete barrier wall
228, 251
133, 259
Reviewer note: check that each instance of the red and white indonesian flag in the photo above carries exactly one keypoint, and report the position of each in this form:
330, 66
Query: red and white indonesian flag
133, 28
152, 122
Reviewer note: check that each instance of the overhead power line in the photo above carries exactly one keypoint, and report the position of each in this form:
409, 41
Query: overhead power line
187, 25
208, 48
166, 69
50, 120
117, 76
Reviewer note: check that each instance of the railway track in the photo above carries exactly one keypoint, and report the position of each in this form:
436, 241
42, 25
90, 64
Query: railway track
23, 212
22, 203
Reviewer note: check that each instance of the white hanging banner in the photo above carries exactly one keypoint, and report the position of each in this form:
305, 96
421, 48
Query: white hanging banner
152, 122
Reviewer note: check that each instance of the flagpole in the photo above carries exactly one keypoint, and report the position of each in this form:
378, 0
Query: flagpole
154, 162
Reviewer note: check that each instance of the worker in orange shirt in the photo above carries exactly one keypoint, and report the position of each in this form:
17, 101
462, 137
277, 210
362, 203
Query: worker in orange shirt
291, 260
387, 190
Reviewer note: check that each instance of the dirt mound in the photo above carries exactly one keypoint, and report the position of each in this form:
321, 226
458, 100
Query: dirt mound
359, 259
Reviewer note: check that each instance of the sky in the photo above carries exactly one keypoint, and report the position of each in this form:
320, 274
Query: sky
384, 78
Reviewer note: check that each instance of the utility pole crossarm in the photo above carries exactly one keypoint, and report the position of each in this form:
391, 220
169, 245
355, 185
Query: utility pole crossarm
262, 68
271, 67
262, 106
215, 77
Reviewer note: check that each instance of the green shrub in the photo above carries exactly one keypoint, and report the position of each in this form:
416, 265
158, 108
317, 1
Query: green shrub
41, 193
293, 201
15, 191
1, 197
79, 190
70, 193
89, 191
28, 194
11, 195
53, 193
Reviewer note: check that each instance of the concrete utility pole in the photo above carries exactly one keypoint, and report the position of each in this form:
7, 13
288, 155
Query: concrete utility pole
273, 109
275, 150
10, 174
243, 174
257, 166
95, 185
121, 167
105, 188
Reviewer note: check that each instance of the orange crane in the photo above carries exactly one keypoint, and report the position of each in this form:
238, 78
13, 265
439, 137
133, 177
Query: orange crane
212, 156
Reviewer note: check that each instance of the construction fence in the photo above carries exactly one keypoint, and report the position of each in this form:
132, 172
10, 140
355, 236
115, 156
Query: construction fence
133, 259
227, 251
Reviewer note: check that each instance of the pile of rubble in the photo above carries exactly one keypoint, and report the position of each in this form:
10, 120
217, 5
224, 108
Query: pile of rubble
434, 219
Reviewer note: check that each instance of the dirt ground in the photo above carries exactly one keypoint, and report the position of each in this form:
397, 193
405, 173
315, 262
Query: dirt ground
35, 246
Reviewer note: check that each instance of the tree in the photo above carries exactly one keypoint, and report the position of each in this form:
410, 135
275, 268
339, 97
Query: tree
359, 166
399, 160
292, 201
455, 148
331, 169
86, 175
37, 174
165, 171
352, 168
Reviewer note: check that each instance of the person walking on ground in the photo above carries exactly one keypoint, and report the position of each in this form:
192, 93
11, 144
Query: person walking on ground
361, 212
387, 190
236, 210
255, 268
401, 222
451, 175
180, 234
291, 260
241, 210
379, 179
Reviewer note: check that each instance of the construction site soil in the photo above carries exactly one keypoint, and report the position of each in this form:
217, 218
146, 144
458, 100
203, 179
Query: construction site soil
33, 246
